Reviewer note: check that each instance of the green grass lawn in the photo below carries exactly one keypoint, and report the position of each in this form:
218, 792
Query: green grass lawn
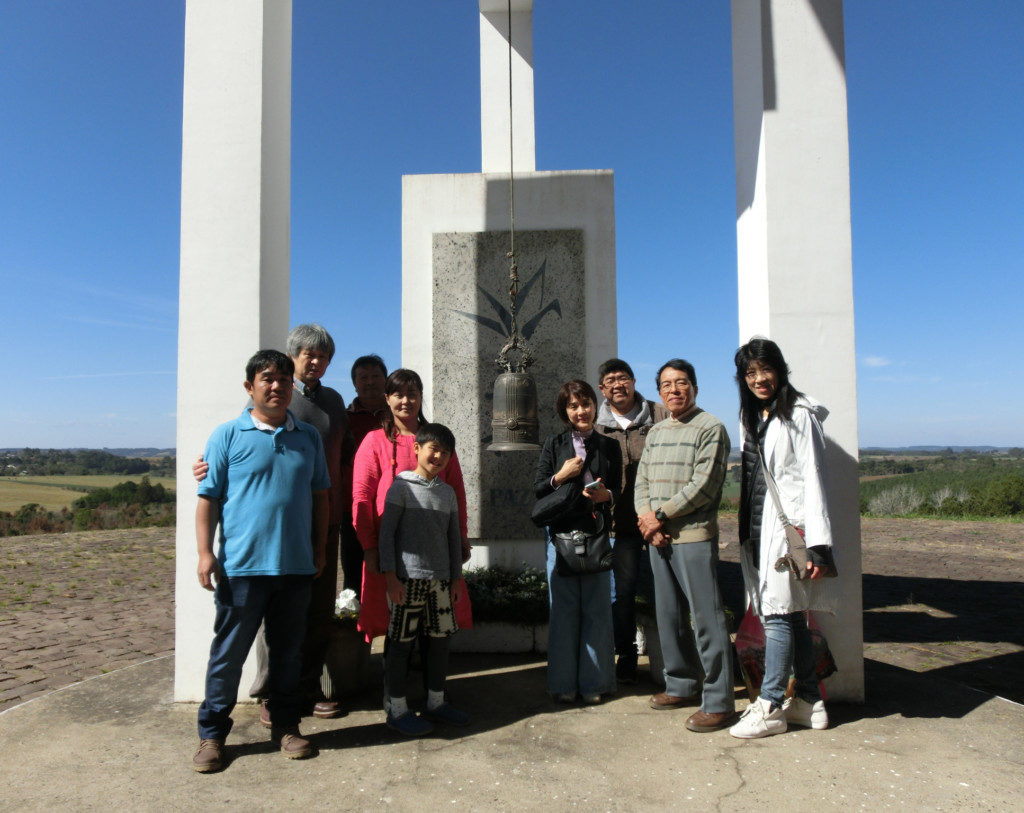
55, 492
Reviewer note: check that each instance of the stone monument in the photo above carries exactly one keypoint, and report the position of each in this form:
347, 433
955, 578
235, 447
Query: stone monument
455, 279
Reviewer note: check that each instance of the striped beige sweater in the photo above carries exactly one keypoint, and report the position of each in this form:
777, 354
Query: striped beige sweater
681, 472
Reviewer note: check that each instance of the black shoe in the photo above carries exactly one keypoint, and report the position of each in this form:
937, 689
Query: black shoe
625, 669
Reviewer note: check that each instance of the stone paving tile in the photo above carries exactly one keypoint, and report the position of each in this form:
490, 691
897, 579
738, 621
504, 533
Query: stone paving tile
93, 608
9, 695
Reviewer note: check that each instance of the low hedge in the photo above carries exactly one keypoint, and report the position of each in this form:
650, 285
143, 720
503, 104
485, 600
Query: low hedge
509, 596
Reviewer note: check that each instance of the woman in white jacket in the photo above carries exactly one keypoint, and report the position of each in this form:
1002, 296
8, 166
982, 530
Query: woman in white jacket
782, 427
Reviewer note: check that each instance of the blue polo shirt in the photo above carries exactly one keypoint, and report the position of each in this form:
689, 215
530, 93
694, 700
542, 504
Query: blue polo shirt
264, 482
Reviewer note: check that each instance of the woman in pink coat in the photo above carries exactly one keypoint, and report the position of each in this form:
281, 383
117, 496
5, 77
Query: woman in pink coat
384, 453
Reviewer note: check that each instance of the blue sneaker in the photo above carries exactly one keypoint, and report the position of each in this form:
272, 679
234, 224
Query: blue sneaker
447, 713
409, 724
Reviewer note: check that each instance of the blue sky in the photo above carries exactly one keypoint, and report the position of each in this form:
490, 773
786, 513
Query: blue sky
90, 142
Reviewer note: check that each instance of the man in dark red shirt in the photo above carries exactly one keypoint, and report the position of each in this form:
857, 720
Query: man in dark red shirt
365, 414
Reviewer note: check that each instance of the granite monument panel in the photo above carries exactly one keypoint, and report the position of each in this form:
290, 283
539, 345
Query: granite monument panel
471, 323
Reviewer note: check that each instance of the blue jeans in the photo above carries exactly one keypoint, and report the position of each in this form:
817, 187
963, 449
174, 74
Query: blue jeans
581, 648
242, 603
788, 649
631, 574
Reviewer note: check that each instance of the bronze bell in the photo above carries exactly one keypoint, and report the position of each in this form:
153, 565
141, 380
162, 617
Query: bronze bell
515, 427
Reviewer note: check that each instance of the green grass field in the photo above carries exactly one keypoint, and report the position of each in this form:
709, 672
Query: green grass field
59, 491
731, 491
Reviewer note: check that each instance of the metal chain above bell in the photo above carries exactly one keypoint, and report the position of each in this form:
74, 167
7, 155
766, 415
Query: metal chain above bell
515, 425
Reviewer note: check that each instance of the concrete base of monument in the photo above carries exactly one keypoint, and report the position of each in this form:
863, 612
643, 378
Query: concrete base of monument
495, 637
511, 554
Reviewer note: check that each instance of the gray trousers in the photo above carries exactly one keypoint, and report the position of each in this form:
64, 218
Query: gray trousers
685, 584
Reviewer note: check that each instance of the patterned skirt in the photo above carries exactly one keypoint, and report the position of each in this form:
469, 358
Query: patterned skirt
428, 607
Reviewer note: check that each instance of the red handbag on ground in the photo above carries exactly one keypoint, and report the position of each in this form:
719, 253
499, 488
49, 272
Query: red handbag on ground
750, 644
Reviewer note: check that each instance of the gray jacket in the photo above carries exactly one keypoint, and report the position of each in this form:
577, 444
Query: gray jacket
419, 530
631, 442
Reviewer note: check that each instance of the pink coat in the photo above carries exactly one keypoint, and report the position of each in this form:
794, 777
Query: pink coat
377, 462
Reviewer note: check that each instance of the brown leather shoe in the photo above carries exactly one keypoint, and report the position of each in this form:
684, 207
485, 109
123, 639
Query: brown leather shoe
703, 722
293, 744
209, 757
327, 709
662, 701
264, 715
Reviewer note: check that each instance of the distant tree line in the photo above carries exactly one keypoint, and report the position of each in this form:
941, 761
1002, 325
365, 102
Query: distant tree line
126, 505
984, 486
948, 460
42, 462
948, 452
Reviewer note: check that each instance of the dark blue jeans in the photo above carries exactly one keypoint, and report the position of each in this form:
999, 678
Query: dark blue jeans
631, 574
242, 603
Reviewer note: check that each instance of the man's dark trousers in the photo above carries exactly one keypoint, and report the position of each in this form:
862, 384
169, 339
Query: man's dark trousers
242, 603
631, 576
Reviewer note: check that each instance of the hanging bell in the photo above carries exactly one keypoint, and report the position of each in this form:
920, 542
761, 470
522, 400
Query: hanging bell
515, 426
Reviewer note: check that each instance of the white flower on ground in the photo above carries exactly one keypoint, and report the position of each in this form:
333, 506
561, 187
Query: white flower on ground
348, 602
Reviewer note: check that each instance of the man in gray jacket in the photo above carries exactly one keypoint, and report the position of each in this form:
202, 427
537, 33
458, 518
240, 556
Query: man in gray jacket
626, 416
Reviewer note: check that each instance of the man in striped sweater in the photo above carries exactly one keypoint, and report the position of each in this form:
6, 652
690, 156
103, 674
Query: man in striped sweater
678, 488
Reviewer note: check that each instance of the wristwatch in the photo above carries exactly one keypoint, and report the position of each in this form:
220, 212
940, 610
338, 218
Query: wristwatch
660, 516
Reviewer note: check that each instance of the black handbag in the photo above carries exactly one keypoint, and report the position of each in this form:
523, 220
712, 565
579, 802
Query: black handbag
560, 502
579, 552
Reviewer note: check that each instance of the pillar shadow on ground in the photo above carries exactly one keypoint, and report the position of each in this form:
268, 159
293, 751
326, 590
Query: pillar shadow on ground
946, 617
938, 614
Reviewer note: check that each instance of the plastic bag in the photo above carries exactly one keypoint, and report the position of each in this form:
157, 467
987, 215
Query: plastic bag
750, 644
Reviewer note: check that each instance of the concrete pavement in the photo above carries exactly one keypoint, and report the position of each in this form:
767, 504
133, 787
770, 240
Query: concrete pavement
117, 741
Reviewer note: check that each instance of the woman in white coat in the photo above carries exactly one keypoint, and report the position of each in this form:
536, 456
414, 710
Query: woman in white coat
782, 428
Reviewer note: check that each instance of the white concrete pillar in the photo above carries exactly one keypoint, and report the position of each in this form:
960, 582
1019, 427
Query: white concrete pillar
793, 235
233, 298
494, 86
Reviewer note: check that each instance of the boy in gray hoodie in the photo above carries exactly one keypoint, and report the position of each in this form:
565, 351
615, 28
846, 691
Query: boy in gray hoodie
421, 558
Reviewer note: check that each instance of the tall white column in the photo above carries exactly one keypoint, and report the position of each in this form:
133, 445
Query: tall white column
233, 297
494, 86
793, 235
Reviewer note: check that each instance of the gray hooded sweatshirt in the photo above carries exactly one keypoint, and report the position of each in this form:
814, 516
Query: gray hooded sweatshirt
419, 530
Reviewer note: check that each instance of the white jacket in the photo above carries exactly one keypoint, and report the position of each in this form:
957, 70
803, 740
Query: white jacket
795, 455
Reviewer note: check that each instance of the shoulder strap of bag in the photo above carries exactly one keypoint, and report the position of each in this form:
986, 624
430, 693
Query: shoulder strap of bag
796, 541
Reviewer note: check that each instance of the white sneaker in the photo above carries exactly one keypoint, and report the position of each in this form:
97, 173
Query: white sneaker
809, 715
758, 721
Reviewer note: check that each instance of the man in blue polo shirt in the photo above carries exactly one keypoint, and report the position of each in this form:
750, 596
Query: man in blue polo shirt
267, 486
